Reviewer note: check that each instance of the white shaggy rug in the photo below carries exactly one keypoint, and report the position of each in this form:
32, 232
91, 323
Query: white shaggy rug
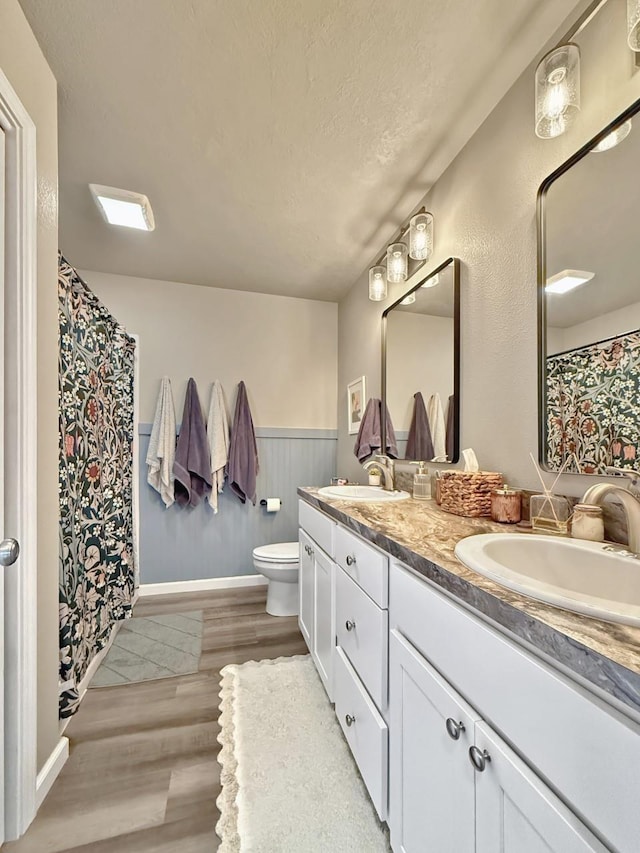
289, 783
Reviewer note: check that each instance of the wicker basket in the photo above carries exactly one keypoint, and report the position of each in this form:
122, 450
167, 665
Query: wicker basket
468, 493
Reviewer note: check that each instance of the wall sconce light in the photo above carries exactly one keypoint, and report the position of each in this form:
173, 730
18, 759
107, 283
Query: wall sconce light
421, 236
397, 262
614, 138
409, 299
420, 248
557, 90
633, 24
377, 283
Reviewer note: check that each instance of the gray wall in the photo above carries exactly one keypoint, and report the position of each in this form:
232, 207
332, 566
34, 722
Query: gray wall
484, 206
179, 544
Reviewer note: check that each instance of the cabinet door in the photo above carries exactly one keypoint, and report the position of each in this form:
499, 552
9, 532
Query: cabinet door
306, 588
431, 778
324, 619
516, 812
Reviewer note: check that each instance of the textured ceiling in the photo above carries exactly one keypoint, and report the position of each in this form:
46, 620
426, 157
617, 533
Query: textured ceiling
280, 143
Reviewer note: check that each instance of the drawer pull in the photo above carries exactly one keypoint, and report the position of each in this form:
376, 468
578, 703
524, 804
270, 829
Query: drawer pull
479, 758
349, 720
351, 560
454, 730
349, 625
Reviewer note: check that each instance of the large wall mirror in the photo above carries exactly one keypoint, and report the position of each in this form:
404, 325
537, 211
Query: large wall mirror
589, 305
421, 366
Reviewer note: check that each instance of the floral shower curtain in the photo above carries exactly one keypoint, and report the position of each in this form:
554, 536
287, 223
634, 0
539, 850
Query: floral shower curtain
593, 406
96, 374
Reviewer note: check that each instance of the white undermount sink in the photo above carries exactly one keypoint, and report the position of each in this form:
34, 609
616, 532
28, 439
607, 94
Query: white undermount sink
368, 494
587, 577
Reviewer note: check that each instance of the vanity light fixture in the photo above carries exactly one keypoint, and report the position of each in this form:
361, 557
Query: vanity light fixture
421, 236
397, 262
633, 24
409, 299
377, 283
557, 90
434, 281
614, 138
123, 207
567, 280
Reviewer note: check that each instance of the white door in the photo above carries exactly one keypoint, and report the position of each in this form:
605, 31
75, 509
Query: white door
324, 619
306, 584
515, 811
431, 778
2, 530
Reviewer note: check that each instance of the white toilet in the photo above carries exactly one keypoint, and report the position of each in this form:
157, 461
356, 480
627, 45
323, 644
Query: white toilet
279, 563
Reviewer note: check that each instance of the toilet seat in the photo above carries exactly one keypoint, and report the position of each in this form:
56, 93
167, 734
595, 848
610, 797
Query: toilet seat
281, 552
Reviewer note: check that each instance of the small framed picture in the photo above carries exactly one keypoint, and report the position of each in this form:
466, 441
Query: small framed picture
356, 401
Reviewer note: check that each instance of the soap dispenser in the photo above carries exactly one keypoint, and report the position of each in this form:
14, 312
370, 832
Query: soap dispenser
422, 483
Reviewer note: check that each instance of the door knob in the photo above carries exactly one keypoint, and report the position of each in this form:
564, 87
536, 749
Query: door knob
454, 729
349, 720
351, 560
349, 625
479, 758
9, 550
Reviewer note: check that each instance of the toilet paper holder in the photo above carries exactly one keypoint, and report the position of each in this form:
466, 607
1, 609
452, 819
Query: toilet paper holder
263, 502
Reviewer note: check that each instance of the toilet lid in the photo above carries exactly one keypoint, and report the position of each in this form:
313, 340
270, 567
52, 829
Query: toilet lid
281, 552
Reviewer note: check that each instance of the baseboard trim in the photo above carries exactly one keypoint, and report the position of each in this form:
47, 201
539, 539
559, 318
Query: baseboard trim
50, 770
172, 587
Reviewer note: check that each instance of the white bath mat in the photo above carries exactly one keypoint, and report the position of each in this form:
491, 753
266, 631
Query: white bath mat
289, 783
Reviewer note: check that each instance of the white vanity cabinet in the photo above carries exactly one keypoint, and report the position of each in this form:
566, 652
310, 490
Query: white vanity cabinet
561, 775
316, 584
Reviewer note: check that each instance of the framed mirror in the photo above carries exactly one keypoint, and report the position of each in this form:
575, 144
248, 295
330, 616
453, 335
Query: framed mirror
421, 367
589, 305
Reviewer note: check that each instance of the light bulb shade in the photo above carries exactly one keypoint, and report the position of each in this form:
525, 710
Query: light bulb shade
409, 299
377, 283
614, 138
633, 24
397, 262
557, 91
421, 237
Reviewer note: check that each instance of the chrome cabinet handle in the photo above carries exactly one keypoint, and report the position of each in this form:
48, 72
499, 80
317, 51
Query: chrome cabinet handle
351, 561
454, 730
349, 720
349, 625
9, 550
479, 758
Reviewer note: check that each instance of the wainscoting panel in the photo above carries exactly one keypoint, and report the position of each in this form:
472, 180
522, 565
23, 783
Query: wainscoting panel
179, 544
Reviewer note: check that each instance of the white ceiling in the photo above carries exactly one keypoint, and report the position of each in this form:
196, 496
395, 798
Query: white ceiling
280, 143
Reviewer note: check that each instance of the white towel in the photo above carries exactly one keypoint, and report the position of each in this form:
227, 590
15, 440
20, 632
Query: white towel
162, 445
218, 436
435, 414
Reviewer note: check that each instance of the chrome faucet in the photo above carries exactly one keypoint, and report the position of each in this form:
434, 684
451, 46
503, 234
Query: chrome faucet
385, 464
596, 494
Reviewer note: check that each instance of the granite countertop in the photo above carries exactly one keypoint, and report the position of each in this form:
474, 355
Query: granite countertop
422, 536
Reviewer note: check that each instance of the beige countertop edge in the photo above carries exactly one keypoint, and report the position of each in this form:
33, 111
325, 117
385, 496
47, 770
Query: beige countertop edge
422, 536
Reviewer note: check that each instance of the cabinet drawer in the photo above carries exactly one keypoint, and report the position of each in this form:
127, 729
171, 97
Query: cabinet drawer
367, 566
318, 526
587, 751
364, 729
365, 641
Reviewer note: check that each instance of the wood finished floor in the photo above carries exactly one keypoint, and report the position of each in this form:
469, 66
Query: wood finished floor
143, 775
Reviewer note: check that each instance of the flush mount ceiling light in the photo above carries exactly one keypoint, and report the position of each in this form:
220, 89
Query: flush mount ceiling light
377, 283
567, 280
557, 90
124, 208
614, 138
421, 236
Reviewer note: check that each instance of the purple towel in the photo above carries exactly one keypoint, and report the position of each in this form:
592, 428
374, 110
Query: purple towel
243, 465
192, 465
369, 439
419, 443
450, 425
